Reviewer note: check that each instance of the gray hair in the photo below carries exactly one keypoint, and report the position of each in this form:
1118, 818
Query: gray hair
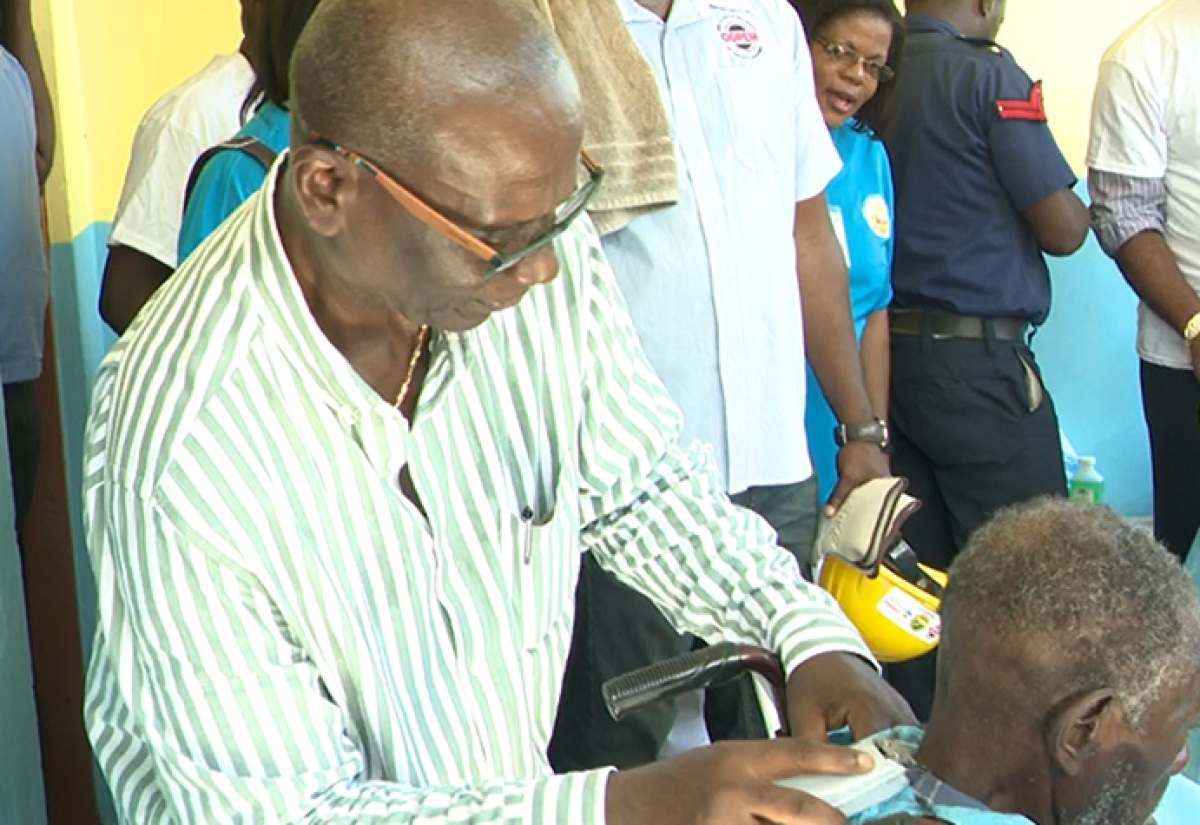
1116, 608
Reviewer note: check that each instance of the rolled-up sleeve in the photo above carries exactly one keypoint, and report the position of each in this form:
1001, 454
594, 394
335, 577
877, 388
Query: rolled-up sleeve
817, 159
1124, 206
658, 519
1127, 156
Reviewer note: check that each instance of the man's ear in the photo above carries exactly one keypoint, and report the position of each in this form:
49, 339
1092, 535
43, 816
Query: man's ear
985, 8
324, 187
1080, 727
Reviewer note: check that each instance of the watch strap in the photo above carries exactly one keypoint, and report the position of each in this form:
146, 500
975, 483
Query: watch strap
875, 432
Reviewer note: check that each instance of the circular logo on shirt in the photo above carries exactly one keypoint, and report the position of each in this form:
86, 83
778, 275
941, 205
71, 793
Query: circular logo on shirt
740, 36
878, 216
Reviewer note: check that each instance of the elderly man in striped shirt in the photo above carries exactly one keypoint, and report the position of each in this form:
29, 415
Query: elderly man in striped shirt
340, 473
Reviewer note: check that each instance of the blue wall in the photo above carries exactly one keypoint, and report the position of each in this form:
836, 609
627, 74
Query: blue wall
81, 340
1088, 356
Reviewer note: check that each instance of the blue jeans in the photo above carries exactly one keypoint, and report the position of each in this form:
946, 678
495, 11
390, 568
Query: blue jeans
618, 630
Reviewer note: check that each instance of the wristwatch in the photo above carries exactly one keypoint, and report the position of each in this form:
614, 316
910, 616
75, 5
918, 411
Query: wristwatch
875, 433
1192, 329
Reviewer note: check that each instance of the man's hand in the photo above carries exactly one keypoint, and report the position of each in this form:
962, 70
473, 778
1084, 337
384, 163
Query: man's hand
731, 783
837, 689
857, 462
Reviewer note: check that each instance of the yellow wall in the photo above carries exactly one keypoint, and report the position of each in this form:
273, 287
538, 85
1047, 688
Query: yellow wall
108, 60
1061, 42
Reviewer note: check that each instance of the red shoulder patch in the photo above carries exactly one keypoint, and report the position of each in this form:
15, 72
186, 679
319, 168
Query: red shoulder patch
1033, 109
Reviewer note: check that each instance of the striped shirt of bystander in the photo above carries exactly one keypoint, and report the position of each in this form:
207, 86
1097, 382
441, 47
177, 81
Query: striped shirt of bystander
284, 637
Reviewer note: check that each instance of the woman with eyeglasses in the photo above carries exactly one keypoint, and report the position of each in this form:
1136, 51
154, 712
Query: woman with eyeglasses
856, 46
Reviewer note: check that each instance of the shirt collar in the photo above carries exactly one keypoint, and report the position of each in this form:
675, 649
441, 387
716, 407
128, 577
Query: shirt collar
275, 118
901, 745
683, 12
927, 23
936, 793
303, 341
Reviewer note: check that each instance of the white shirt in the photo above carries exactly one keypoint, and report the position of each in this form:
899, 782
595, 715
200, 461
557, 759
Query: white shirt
1146, 124
283, 637
711, 282
201, 112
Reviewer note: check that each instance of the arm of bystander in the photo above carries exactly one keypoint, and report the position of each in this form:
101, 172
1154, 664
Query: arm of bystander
829, 342
1127, 164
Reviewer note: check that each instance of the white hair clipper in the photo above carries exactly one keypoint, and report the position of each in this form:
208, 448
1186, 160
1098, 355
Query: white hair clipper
717, 664
854, 794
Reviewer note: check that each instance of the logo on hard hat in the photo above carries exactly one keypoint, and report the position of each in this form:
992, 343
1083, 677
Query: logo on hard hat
740, 36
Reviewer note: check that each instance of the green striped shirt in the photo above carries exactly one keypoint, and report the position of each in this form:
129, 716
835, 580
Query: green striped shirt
284, 637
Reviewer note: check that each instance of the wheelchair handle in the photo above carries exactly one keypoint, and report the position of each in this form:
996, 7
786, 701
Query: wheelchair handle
694, 671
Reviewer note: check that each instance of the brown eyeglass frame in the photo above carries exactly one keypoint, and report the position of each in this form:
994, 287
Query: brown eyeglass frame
571, 209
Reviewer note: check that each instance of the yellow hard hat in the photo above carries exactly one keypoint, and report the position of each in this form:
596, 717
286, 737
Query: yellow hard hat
896, 614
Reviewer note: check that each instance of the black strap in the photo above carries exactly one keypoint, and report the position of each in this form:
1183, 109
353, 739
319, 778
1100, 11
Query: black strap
903, 561
253, 147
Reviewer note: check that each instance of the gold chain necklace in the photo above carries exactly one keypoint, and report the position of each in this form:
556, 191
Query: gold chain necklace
418, 348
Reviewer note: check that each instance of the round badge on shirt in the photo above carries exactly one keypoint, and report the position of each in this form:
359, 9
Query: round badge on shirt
740, 36
878, 216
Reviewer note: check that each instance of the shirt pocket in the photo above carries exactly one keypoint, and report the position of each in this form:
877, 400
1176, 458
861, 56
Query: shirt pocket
746, 99
547, 559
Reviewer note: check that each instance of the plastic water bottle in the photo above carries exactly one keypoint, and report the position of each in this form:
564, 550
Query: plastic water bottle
1087, 484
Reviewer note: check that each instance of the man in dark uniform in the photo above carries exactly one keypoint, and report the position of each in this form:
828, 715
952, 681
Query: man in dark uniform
982, 190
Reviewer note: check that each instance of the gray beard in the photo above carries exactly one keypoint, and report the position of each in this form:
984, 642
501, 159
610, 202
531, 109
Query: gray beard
1113, 805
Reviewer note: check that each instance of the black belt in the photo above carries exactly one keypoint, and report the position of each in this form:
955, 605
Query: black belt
941, 323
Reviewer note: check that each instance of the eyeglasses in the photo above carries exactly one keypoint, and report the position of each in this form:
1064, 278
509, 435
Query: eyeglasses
847, 57
497, 262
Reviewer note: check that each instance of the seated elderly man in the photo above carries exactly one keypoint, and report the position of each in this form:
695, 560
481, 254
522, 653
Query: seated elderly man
1068, 678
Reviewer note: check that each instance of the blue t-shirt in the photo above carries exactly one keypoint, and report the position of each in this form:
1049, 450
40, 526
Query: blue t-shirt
860, 207
24, 277
231, 177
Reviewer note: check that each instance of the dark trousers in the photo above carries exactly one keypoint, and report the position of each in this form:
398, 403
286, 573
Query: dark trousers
731, 710
1171, 402
974, 430
618, 630
24, 427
